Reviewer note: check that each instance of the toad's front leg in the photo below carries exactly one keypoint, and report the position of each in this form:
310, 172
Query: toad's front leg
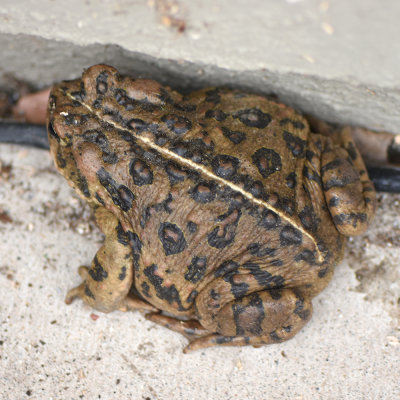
106, 284
349, 193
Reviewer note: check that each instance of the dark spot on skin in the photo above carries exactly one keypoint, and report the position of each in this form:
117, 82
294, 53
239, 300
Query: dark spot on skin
224, 339
340, 182
196, 270
121, 97
310, 155
235, 137
97, 272
214, 295
256, 188
141, 173
175, 173
187, 108
192, 227
287, 205
264, 278
350, 219
168, 293
75, 119
228, 270
322, 272
294, 144
269, 220
203, 192
334, 201
259, 250
137, 124
212, 96
248, 318
351, 150
275, 294
225, 166
83, 185
192, 296
96, 104
125, 135
129, 238
291, 180
276, 263
267, 161
198, 157
88, 292
79, 95
146, 214
308, 219
152, 157
114, 114
332, 165
224, 234
294, 123
253, 117
306, 255
172, 238
124, 100
226, 267
274, 336
304, 314
181, 149
216, 114
101, 83
290, 236
318, 144
238, 289
145, 289
177, 124
136, 258
122, 275
311, 175
100, 140
120, 194
99, 199
164, 96
60, 160
164, 205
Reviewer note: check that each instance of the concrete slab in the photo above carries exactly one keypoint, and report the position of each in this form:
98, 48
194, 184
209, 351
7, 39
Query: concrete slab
335, 59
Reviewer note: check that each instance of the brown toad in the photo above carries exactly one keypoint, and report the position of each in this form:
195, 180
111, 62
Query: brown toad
219, 207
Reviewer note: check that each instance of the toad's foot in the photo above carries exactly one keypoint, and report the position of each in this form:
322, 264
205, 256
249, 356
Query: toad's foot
78, 291
129, 303
201, 338
191, 329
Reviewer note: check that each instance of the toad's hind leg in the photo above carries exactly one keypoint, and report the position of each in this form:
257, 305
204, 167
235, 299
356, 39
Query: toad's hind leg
264, 317
106, 284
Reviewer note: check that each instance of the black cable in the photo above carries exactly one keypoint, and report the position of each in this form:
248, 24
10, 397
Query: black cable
24, 134
385, 179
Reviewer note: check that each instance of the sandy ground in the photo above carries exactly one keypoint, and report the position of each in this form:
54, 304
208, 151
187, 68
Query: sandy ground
349, 350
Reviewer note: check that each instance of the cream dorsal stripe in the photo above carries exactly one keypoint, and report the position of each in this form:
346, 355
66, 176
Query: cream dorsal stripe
204, 171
